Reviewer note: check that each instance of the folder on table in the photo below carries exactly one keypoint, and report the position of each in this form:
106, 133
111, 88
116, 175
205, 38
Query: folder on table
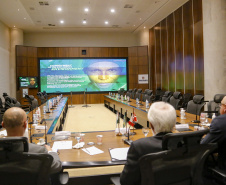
118, 154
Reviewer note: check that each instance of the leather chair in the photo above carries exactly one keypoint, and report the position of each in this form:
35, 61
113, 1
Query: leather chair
176, 100
138, 94
129, 93
214, 105
144, 93
134, 93
121, 91
186, 98
158, 95
148, 96
32, 101
196, 105
167, 95
41, 97
18, 166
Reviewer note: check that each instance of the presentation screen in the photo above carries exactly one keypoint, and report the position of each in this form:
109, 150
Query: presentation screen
30, 82
76, 75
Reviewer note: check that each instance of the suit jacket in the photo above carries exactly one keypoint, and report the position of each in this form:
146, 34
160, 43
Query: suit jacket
131, 172
56, 164
217, 134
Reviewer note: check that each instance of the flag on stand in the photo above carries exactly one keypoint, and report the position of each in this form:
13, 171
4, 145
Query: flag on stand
117, 118
133, 119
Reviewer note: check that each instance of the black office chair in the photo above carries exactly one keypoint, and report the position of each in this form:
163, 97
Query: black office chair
167, 95
134, 93
158, 94
41, 97
196, 105
32, 101
148, 96
129, 93
17, 166
186, 98
176, 100
121, 91
214, 105
144, 93
138, 94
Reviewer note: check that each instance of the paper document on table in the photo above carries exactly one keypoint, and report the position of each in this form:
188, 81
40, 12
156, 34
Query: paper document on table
92, 150
39, 127
61, 145
118, 154
182, 126
3, 133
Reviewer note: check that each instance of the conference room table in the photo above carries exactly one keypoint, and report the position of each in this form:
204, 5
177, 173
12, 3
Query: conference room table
77, 158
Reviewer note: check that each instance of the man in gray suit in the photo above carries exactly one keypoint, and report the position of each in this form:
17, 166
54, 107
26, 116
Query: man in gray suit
15, 123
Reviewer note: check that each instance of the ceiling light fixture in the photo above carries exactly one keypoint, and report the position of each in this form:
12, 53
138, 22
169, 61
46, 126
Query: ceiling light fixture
25, 18
59, 9
84, 21
61, 21
18, 9
86, 9
144, 27
112, 10
106, 22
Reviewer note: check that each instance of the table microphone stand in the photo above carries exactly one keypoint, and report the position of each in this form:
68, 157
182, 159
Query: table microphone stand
85, 99
128, 141
196, 121
45, 132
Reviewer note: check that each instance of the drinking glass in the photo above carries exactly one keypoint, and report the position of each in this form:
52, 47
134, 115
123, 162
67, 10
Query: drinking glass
78, 137
202, 118
145, 131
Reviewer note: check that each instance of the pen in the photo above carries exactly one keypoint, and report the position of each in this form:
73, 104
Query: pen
87, 150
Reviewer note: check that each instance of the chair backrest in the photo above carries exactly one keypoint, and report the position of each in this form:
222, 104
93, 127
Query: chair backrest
138, 94
195, 105
19, 167
182, 166
32, 101
166, 96
158, 94
144, 93
186, 98
41, 97
176, 100
129, 93
214, 105
121, 91
134, 93
148, 96
11, 102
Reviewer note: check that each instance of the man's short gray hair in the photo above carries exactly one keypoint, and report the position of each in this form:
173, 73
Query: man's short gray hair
162, 116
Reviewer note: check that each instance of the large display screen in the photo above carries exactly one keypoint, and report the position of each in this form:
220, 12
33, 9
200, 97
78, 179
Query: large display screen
76, 75
30, 82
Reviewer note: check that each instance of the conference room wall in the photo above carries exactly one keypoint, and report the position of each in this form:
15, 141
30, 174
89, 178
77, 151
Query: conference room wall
80, 39
4, 59
176, 50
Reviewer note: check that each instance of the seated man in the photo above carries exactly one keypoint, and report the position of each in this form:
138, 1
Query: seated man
162, 119
217, 134
15, 123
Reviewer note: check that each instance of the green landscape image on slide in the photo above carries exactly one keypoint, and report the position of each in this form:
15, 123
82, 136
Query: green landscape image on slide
76, 75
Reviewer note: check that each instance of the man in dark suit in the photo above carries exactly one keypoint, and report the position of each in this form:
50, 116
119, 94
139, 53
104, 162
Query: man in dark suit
217, 134
162, 119
15, 123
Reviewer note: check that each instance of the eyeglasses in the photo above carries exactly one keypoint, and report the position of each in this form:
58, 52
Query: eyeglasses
222, 105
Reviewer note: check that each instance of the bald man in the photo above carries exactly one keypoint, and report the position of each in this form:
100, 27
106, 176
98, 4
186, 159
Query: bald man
15, 123
217, 134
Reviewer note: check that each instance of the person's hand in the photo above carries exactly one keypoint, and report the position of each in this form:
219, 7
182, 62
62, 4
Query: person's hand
48, 148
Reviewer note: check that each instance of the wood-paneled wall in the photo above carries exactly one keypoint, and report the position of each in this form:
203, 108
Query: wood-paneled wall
27, 64
176, 50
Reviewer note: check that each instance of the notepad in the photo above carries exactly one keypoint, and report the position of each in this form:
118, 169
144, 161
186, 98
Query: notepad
61, 145
118, 154
92, 150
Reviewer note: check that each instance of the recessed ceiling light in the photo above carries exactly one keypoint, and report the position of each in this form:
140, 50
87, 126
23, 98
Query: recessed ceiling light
134, 25
112, 10
144, 27
140, 18
61, 21
18, 9
84, 21
86, 9
14, 26
106, 22
25, 18
59, 9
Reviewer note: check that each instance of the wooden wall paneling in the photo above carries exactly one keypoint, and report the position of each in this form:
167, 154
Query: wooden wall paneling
31, 52
171, 52
143, 60
164, 50
158, 57
22, 71
73, 52
76, 99
87, 51
105, 52
21, 61
64, 52
95, 52
123, 52
142, 86
188, 47
42, 52
199, 50
102, 97
32, 71
179, 50
142, 69
31, 61
133, 70
132, 51
142, 51
93, 98
53, 52
132, 61
21, 51
113, 52
152, 59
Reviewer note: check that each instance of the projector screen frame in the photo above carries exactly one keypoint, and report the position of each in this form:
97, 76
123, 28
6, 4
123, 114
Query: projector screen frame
79, 92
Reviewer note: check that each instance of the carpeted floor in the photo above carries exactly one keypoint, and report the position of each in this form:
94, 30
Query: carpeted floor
93, 118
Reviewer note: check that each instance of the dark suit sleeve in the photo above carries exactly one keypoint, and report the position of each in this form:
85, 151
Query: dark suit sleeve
215, 133
131, 172
56, 164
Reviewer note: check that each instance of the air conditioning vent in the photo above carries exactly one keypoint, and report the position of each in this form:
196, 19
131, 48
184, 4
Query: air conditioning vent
51, 25
44, 3
115, 26
128, 6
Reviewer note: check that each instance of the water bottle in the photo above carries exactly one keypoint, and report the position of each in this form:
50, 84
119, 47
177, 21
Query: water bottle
147, 104
213, 116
